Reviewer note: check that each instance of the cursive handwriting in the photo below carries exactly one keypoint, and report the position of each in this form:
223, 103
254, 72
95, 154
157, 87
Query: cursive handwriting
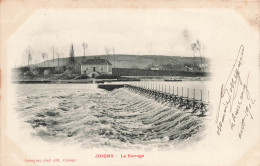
234, 97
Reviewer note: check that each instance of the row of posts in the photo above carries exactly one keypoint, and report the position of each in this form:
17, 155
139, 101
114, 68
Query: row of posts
171, 89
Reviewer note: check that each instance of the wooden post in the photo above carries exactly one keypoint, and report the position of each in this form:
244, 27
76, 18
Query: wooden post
201, 95
162, 88
193, 93
188, 93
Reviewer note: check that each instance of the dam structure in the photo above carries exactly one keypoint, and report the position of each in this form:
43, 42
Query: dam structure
160, 92
183, 98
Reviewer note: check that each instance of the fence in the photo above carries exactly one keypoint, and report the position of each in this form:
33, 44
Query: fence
175, 95
192, 93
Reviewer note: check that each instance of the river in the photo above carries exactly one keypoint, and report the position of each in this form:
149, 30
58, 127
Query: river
94, 118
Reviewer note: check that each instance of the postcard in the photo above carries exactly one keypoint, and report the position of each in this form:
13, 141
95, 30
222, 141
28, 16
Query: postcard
129, 83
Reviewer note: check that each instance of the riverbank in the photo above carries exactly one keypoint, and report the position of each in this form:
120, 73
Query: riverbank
93, 80
83, 81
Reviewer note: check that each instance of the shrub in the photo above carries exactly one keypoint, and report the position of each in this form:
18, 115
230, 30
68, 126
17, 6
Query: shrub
68, 71
28, 73
36, 72
59, 70
47, 72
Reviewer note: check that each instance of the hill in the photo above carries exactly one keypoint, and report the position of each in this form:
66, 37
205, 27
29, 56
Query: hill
136, 61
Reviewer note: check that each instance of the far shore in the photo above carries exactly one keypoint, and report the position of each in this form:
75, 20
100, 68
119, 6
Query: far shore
52, 81
93, 80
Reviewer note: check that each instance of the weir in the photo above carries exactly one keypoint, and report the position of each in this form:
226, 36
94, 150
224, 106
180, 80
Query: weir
179, 100
195, 102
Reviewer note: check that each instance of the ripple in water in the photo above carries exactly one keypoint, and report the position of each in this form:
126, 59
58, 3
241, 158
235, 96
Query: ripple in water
83, 114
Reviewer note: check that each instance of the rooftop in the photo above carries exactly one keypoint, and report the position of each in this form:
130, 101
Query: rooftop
96, 61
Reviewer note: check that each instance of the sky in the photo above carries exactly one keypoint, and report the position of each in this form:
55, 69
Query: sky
129, 31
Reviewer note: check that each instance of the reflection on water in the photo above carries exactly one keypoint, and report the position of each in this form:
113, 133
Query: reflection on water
83, 114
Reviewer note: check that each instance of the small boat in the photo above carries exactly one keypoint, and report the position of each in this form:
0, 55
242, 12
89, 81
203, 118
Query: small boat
173, 79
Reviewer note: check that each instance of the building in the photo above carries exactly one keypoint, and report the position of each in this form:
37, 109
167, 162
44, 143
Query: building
155, 67
95, 67
188, 68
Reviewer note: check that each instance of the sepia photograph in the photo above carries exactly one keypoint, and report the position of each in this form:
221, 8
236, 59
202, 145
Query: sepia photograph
90, 82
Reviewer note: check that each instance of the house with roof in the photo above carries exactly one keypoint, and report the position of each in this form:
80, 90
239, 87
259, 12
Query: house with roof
155, 67
95, 67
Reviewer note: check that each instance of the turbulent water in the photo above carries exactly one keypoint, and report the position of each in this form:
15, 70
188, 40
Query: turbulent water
94, 118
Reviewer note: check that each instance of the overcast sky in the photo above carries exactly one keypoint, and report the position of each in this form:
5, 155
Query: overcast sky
129, 31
